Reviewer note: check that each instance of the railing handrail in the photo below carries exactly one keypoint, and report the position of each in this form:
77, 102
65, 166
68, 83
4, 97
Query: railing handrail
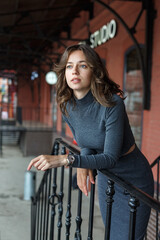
73, 148
155, 162
136, 192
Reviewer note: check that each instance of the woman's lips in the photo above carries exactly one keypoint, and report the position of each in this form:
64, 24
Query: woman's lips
76, 80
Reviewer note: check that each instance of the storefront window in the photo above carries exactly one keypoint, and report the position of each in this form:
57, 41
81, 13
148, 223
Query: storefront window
8, 99
133, 89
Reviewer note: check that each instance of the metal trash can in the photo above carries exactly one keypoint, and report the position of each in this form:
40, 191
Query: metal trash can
29, 185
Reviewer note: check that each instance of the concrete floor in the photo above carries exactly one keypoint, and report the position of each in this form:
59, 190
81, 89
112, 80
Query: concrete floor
15, 211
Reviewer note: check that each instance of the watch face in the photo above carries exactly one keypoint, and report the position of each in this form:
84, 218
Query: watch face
71, 159
51, 78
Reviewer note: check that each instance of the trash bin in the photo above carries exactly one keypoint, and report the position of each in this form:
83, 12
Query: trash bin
29, 185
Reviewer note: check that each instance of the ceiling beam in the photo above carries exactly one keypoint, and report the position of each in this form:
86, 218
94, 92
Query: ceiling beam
83, 5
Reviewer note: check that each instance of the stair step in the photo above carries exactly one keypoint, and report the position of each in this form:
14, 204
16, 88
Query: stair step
10, 137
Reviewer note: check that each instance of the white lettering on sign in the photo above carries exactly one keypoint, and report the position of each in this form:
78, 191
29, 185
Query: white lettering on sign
104, 34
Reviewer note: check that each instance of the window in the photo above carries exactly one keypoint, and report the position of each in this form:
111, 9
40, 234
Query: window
133, 89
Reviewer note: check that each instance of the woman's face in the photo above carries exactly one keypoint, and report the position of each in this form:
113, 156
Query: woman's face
78, 74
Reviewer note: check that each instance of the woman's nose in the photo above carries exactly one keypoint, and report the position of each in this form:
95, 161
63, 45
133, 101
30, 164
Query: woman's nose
75, 70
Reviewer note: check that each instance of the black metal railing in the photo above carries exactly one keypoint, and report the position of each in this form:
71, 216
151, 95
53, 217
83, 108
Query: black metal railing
48, 205
156, 164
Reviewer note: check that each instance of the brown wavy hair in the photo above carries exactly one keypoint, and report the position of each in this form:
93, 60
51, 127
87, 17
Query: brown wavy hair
102, 87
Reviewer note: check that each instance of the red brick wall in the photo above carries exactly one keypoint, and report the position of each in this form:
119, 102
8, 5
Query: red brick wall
151, 123
31, 99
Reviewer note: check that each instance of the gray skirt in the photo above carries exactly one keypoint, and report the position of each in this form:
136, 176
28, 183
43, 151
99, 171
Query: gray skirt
135, 169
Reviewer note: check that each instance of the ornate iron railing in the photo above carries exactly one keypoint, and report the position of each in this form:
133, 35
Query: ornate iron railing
47, 206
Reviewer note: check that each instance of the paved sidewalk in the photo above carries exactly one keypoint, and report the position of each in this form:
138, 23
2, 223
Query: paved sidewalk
14, 210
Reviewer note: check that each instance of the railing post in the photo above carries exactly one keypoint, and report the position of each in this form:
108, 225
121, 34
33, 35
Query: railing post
52, 197
45, 204
42, 211
38, 217
61, 194
91, 210
78, 218
48, 204
68, 213
133, 203
109, 192
33, 218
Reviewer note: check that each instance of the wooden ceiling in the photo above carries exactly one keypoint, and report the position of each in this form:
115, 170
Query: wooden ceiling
28, 27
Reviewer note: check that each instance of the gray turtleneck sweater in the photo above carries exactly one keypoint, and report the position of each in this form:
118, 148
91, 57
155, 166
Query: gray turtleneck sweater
102, 133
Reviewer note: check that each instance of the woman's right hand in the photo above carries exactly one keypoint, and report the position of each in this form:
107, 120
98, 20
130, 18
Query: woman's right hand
84, 175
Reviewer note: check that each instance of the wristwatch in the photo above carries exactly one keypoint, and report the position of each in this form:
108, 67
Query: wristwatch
70, 159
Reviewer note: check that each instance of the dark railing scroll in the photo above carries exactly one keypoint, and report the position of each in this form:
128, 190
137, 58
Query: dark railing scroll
49, 207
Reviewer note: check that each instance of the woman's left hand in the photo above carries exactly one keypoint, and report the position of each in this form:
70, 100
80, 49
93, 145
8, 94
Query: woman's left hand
83, 184
44, 162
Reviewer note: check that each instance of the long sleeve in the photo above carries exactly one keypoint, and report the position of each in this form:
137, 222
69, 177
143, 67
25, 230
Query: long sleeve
87, 151
114, 125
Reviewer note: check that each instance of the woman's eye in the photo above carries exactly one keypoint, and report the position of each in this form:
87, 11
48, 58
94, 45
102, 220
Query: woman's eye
69, 66
83, 66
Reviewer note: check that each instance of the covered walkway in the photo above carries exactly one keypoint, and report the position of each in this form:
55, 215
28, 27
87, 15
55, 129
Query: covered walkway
33, 34
14, 211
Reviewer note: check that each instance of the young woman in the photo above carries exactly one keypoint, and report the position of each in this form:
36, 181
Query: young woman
92, 105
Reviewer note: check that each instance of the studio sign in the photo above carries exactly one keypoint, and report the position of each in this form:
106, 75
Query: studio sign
104, 34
